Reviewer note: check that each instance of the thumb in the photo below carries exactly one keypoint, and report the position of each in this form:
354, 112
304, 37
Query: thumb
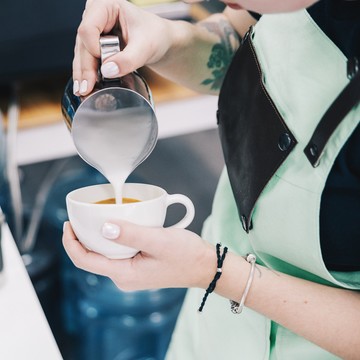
126, 61
140, 237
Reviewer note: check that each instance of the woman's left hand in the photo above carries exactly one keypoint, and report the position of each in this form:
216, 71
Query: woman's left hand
168, 257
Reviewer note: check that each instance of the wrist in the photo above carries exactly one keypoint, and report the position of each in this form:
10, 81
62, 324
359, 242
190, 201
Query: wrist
176, 35
220, 257
234, 278
207, 267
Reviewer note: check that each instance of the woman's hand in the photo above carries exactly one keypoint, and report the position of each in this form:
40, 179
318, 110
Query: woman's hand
146, 36
169, 257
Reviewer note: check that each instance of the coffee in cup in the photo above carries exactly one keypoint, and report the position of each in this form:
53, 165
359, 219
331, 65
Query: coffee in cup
113, 201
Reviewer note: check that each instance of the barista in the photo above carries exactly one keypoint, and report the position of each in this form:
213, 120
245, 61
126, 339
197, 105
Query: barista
298, 216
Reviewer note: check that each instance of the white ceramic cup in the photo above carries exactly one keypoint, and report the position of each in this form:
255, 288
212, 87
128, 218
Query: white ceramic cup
87, 217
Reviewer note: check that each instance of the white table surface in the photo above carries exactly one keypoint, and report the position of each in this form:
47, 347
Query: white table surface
24, 330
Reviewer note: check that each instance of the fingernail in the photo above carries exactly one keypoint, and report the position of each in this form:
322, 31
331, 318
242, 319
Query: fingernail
110, 231
110, 70
64, 225
83, 86
75, 87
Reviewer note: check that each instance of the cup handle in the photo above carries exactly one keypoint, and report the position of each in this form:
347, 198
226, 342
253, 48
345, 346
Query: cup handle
189, 206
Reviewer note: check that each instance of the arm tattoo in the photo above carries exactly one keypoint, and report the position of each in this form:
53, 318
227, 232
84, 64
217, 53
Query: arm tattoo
221, 53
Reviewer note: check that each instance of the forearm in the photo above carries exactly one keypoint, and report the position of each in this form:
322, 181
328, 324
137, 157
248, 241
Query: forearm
199, 54
326, 316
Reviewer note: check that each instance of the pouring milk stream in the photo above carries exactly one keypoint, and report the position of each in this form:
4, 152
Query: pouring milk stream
114, 128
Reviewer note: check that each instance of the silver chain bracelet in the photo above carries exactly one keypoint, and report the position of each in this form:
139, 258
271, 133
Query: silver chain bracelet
237, 307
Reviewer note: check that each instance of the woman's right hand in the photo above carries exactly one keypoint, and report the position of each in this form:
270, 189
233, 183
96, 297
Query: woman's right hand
146, 37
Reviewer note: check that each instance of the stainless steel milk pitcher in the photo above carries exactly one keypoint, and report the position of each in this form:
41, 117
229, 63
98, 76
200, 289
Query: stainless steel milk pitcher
109, 95
116, 117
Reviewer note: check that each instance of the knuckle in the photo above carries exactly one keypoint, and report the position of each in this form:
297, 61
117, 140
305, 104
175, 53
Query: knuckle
124, 282
76, 68
82, 29
77, 262
89, 75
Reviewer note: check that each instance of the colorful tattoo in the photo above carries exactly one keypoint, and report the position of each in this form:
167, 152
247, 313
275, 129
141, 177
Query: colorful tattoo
221, 53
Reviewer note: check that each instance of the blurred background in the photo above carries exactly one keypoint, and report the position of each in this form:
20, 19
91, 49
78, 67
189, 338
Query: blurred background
89, 317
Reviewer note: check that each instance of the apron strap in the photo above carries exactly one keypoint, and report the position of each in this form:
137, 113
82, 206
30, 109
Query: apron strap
342, 105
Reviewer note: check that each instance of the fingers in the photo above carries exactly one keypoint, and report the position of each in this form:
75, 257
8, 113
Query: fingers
98, 18
168, 258
146, 239
81, 257
95, 22
125, 274
128, 60
133, 56
104, 16
84, 69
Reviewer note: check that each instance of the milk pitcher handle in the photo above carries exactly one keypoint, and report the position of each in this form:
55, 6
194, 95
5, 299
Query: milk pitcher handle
109, 46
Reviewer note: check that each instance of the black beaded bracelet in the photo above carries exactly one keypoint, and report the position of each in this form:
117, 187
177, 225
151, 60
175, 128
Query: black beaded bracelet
212, 285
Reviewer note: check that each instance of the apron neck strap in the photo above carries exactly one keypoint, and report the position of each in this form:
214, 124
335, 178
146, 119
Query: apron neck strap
338, 110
